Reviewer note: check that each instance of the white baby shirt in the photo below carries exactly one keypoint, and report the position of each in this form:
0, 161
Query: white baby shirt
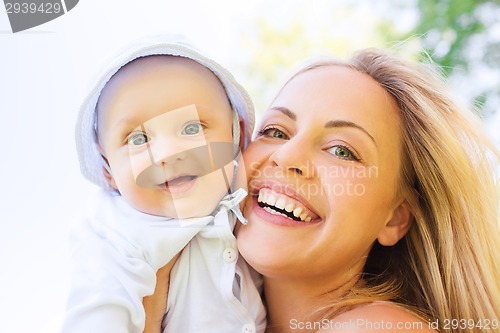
117, 251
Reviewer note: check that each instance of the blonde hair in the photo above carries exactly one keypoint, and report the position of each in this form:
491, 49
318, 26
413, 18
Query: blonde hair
447, 265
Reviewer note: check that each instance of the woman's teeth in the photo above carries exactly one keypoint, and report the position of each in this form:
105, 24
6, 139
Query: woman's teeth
285, 205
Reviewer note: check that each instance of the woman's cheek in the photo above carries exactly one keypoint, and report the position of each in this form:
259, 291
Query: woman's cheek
248, 155
252, 159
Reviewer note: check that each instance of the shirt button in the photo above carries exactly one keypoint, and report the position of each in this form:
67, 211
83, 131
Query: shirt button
229, 255
248, 328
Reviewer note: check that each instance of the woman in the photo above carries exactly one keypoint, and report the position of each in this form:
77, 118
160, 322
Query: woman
373, 203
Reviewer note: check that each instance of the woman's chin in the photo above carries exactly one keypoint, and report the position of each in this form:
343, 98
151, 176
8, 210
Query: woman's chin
266, 247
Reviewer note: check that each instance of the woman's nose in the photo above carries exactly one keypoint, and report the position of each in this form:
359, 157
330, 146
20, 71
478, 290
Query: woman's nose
293, 157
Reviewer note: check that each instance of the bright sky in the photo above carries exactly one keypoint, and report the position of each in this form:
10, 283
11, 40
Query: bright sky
43, 75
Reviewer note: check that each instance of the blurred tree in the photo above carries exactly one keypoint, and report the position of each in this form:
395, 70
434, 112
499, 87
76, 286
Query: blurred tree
461, 36
457, 35
446, 27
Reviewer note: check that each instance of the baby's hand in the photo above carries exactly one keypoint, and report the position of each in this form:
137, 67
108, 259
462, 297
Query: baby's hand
156, 304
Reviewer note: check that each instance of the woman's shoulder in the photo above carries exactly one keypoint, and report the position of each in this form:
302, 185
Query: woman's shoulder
379, 317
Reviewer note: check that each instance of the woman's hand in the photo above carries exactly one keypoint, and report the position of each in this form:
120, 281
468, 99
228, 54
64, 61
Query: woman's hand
156, 304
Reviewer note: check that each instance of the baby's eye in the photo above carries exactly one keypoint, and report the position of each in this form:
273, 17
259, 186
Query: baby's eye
343, 152
192, 129
137, 139
273, 132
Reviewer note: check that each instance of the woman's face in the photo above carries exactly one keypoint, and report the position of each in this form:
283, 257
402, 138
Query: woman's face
323, 172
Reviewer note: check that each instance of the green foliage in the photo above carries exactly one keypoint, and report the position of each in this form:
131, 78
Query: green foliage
454, 33
450, 30
453, 22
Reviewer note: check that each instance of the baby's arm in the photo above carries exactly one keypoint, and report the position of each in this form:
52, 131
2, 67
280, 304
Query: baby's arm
156, 304
112, 274
107, 286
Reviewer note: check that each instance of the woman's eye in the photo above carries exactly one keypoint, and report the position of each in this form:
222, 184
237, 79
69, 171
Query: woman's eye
192, 129
273, 133
137, 139
343, 152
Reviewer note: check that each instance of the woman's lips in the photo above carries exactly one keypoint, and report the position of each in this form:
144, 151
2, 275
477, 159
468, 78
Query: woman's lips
179, 184
278, 219
280, 204
276, 202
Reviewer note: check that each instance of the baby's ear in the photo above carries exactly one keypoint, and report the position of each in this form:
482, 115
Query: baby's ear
106, 171
397, 226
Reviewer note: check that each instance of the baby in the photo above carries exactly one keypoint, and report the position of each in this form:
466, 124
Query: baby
161, 134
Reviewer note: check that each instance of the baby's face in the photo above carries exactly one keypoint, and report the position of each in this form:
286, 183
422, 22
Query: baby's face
165, 128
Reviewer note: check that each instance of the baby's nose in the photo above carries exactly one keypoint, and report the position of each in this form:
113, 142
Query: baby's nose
166, 156
169, 149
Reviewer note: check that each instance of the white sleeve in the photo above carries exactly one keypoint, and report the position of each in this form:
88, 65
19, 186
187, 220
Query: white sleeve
108, 284
115, 258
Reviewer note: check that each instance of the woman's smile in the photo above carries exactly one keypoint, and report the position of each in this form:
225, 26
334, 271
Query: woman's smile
281, 204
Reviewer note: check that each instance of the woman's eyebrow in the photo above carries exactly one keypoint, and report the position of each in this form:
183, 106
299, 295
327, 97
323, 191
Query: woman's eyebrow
285, 111
346, 123
329, 124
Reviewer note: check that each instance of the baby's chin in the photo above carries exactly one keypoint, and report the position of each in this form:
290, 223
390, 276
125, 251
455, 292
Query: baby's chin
199, 205
178, 210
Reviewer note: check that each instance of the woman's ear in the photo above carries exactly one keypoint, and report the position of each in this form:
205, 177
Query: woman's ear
397, 226
106, 171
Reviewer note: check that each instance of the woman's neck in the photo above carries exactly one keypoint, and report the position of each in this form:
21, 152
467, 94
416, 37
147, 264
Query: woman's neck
291, 303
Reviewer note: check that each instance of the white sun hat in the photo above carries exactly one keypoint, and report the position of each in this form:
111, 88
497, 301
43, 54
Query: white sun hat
91, 161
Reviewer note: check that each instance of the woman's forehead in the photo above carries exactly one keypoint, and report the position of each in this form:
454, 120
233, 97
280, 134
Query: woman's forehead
327, 77
328, 90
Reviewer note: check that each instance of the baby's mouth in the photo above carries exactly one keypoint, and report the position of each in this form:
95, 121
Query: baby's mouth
180, 180
179, 183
